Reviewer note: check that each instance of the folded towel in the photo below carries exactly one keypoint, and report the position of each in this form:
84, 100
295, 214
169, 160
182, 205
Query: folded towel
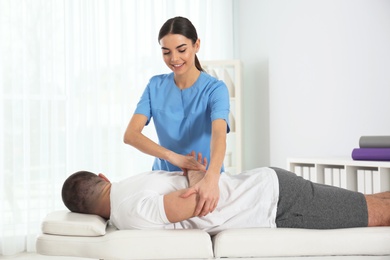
371, 154
374, 141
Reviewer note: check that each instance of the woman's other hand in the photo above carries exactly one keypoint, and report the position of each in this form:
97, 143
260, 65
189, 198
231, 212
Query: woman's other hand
187, 162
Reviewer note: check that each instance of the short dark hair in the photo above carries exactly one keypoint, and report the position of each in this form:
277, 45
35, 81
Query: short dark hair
79, 191
183, 26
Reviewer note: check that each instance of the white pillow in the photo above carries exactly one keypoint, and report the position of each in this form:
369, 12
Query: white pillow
64, 222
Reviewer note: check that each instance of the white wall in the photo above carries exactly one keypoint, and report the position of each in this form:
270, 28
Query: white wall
251, 27
328, 74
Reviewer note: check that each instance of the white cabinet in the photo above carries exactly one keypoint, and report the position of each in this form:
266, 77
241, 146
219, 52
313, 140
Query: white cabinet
364, 176
229, 71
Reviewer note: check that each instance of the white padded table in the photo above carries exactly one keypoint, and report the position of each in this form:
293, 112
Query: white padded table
70, 234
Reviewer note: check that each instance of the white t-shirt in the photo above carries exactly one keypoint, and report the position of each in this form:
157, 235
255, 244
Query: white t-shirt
246, 200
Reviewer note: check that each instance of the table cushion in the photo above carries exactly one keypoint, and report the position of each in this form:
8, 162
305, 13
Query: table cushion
130, 244
273, 242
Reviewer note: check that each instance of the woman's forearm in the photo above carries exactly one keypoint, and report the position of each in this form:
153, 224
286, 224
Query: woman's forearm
217, 146
133, 136
146, 145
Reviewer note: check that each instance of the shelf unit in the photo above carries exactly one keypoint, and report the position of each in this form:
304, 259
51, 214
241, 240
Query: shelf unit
364, 176
229, 71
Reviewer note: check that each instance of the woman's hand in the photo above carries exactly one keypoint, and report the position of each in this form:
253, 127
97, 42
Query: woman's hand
206, 188
208, 193
187, 162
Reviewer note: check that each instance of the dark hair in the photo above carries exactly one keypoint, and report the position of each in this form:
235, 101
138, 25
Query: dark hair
183, 26
79, 193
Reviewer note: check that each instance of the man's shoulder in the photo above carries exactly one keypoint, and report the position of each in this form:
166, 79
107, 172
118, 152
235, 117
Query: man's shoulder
155, 175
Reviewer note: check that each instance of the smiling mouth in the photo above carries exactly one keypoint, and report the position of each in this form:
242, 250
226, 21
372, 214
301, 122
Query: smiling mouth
177, 65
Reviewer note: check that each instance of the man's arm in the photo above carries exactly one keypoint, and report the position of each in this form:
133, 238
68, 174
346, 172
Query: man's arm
178, 208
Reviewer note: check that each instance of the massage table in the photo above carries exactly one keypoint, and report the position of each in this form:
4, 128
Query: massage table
65, 233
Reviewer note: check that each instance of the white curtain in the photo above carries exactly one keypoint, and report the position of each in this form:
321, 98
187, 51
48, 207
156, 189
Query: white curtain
71, 73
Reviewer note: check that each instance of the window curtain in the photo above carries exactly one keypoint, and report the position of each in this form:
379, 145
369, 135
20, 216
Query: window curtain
71, 74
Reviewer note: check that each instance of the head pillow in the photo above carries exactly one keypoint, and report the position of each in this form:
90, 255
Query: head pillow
68, 223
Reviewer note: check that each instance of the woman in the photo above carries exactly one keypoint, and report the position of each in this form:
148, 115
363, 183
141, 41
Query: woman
190, 112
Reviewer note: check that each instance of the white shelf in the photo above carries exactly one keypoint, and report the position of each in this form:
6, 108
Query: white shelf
229, 71
364, 176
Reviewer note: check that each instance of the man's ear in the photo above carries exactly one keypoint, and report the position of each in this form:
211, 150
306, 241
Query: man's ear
101, 175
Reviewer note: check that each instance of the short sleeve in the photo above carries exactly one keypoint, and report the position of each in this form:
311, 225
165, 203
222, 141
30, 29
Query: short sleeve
144, 104
220, 102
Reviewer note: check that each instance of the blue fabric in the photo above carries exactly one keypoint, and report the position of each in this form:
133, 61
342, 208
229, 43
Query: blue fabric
183, 118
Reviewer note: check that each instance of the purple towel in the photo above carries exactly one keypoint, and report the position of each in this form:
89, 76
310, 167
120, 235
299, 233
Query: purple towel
371, 154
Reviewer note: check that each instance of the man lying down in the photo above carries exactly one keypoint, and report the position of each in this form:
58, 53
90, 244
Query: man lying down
262, 197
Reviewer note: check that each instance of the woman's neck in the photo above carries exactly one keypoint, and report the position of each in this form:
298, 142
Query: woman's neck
187, 80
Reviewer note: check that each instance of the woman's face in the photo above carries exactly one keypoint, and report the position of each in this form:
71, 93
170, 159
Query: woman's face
179, 53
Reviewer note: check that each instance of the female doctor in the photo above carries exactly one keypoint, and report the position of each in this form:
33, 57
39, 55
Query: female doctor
190, 112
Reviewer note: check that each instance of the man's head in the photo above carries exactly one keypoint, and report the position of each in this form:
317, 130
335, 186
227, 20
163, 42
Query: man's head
82, 192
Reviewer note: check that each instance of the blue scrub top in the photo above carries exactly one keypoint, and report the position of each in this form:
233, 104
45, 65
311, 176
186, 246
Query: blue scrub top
183, 118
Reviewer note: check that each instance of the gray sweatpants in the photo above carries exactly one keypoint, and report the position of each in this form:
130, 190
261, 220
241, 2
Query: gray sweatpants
304, 204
